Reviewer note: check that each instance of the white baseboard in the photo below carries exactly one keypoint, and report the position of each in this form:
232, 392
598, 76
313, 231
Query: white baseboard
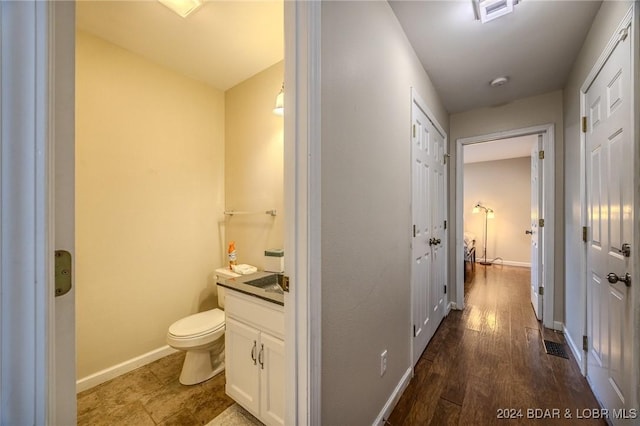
577, 352
122, 368
393, 399
450, 306
513, 263
558, 326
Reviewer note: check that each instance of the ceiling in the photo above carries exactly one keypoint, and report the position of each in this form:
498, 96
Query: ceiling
225, 42
535, 46
222, 44
502, 149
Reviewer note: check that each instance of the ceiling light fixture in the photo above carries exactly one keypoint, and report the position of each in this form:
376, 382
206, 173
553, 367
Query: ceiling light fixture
488, 10
182, 7
500, 81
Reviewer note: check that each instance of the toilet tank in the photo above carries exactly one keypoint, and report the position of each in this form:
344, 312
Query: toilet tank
221, 292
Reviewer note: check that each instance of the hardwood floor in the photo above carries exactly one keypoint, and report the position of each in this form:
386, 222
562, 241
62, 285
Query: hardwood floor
489, 359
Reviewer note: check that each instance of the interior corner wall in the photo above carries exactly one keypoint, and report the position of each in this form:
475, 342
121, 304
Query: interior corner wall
504, 186
526, 112
368, 69
149, 195
602, 29
254, 169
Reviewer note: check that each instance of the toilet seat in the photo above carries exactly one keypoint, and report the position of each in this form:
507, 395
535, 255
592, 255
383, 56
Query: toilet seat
198, 325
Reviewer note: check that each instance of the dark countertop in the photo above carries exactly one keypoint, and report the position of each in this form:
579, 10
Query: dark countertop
271, 293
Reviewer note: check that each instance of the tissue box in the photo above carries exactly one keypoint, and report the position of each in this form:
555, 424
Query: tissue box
274, 260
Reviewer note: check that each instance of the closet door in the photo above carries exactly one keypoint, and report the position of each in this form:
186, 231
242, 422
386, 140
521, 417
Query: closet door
428, 238
421, 243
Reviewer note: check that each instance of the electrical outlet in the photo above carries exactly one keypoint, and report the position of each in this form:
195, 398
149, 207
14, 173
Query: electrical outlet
383, 362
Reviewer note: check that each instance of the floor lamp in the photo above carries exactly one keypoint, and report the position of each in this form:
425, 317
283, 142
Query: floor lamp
488, 214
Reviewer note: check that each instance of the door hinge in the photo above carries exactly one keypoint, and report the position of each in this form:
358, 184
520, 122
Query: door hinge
445, 289
541, 154
541, 223
585, 233
445, 224
414, 231
285, 283
584, 124
585, 343
414, 130
414, 331
541, 291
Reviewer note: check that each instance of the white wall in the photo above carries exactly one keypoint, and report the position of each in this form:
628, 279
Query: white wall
604, 25
527, 112
149, 196
368, 69
253, 165
504, 186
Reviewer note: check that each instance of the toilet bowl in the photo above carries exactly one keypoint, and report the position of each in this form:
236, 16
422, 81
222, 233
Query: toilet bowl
198, 334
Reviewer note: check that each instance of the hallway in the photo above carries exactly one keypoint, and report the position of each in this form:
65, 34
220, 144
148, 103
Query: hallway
491, 357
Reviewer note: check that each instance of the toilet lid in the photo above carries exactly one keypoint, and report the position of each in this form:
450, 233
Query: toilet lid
198, 324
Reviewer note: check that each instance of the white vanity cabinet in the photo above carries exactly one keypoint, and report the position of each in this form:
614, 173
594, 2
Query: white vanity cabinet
254, 355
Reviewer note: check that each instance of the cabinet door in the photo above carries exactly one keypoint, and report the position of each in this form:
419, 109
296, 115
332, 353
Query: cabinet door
242, 346
271, 380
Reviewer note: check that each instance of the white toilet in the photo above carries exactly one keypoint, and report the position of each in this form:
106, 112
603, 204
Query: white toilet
198, 334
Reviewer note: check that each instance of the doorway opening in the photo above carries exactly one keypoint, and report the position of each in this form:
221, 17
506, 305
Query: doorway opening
497, 198
485, 229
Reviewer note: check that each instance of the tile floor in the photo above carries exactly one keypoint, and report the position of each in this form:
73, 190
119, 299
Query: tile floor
151, 395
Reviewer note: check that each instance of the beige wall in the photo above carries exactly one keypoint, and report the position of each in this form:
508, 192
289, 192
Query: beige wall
368, 69
527, 112
603, 28
149, 194
504, 186
254, 168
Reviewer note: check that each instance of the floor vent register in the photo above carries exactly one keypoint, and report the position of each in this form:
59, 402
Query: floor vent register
554, 348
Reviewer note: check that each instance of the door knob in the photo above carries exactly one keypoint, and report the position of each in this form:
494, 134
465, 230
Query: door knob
528, 232
432, 241
613, 278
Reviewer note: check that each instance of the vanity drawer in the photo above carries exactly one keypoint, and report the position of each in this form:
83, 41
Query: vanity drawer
259, 313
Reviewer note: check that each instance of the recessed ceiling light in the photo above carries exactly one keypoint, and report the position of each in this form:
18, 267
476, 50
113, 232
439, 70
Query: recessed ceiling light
182, 7
500, 81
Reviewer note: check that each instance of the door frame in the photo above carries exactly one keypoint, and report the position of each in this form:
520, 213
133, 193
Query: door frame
302, 205
548, 197
630, 18
27, 129
27, 229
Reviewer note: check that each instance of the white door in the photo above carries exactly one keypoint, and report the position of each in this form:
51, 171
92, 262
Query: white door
437, 201
427, 245
272, 371
536, 236
420, 244
242, 354
609, 204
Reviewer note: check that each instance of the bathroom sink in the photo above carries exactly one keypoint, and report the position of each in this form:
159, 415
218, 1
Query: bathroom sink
270, 283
